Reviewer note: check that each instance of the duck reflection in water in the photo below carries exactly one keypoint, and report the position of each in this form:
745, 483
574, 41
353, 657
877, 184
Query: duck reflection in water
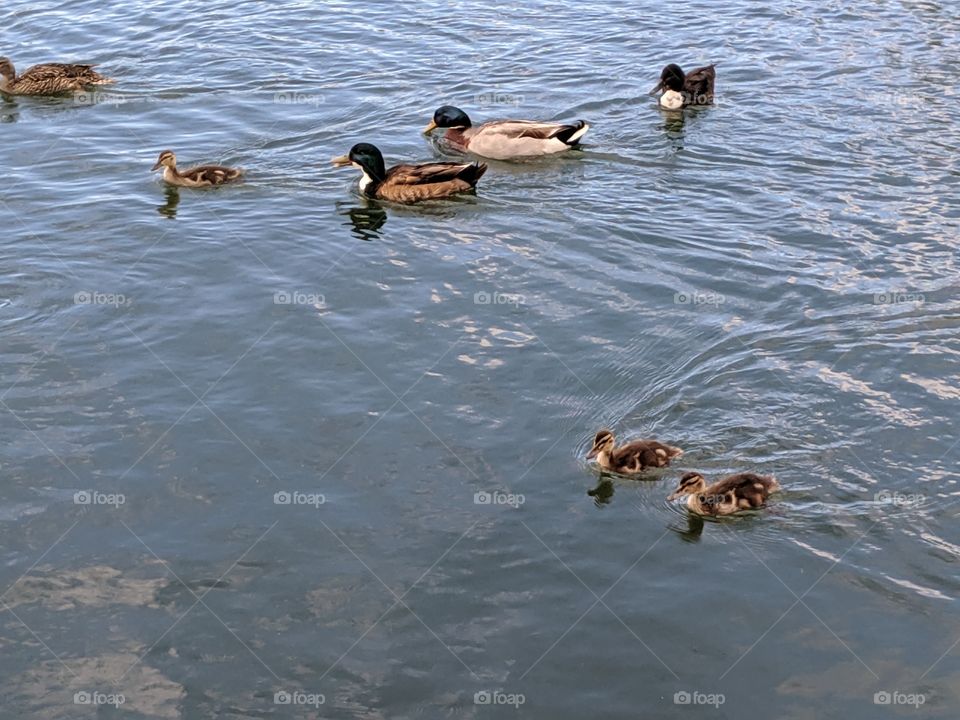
692, 531
366, 220
602, 494
169, 208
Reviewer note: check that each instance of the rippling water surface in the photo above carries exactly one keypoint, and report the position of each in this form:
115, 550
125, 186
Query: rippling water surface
770, 283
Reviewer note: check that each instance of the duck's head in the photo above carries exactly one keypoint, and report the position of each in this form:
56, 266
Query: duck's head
671, 78
367, 157
166, 159
603, 441
6, 68
690, 484
448, 116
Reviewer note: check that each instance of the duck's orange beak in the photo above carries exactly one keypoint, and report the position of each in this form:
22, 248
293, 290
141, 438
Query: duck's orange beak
432, 126
342, 161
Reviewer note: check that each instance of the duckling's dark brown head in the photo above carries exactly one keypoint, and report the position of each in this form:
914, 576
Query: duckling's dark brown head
671, 78
166, 159
690, 484
6, 68
603, 441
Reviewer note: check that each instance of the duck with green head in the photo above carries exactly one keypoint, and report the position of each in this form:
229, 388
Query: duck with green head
409, 183
505, 139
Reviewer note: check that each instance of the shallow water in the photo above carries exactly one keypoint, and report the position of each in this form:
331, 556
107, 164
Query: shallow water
770, 283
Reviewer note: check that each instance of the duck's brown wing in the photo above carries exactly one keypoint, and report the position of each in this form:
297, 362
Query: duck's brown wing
698, 85
749, 490
69, 76
212, 174
639, 454
409, 183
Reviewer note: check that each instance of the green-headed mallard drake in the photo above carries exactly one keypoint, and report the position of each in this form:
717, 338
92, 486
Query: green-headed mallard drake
505, 139
744, 491
681, 90
632, 458
409, 183
202, 176
48, 79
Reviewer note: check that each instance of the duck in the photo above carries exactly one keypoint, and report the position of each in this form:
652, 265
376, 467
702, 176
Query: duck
48, 79
202, 176
505, 139
632, 458
409, 183
744, 491
682, 90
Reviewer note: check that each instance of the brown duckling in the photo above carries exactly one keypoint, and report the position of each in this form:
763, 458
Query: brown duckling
632, 458
202, 176
744, 491
681, 90
48, 79
409, 183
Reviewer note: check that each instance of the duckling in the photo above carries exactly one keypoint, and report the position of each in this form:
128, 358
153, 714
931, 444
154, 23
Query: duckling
48, 79
409, 183
202, 176
632, 458
506, 139
679, 90
744, 491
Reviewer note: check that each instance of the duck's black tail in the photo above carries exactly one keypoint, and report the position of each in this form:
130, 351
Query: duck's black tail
571, 134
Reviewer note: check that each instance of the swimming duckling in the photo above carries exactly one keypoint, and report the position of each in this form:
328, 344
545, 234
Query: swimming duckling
506, 139
409, 183
202, 176
679, 90
48, 79
744, 491
632, 458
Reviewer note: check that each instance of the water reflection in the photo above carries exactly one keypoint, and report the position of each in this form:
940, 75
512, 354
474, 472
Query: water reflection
693, 529
366, 220
169, 208
602, 494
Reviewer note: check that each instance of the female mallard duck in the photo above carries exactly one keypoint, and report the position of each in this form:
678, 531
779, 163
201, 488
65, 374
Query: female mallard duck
744, 491
203, 176
632, 458
679, 90
409, 183
506, 139
48, 79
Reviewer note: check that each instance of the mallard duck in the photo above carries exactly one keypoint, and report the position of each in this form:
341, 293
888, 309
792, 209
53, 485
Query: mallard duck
48, 79
505, 139
409, 183
744, 491
632, 458
679, 90
202, 176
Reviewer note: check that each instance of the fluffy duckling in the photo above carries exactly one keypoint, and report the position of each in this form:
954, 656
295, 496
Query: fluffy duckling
744, 491
632, 458
48, 79
202, 176
409, 183
506, 139
681, 90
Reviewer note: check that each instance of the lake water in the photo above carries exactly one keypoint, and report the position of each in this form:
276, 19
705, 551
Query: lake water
248, 431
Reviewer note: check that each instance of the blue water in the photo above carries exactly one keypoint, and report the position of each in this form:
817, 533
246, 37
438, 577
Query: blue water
769, 283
